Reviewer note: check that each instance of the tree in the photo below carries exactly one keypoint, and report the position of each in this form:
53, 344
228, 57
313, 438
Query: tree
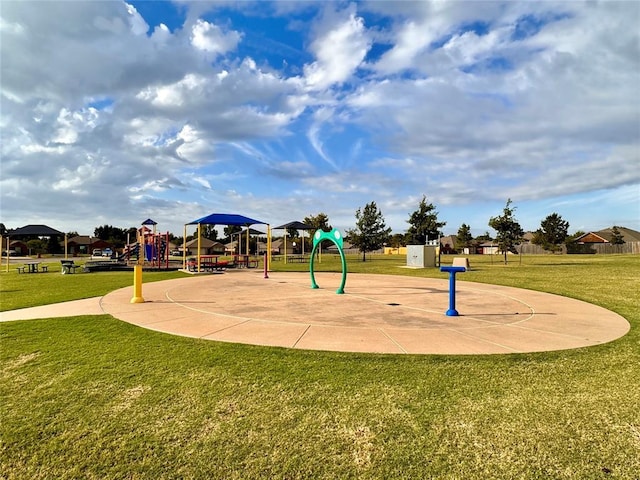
464, 236
292, 233
53, 244
209, 231
397, 240
317, 222
552, 233
424, 223
508, 230
230, 230
485, 237
616, 237
370, 232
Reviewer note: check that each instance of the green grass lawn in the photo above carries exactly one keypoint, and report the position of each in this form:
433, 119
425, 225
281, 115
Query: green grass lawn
92, 397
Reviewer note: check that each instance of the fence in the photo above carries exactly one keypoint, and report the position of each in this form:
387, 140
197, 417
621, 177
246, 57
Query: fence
597, 248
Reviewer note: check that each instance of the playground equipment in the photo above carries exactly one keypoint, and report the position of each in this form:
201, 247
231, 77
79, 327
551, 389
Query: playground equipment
452, 312
335, 237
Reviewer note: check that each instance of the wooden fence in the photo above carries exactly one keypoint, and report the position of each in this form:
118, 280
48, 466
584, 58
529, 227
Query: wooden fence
598, 248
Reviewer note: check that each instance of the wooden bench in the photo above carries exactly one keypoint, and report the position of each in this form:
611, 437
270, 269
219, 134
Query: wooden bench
44, 268
22, 269
68, 266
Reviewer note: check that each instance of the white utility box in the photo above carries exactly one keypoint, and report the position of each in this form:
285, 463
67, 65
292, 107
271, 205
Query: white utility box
421, 256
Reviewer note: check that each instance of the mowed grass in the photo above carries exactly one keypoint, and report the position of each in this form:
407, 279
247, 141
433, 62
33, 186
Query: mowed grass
92, 397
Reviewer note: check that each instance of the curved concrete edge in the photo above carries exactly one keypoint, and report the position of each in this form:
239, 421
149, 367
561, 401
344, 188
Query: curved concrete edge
556, 322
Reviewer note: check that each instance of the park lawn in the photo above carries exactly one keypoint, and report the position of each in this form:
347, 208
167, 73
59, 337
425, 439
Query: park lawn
32, 290
92, 397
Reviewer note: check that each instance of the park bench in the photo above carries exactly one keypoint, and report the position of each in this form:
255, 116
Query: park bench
68, 266
21, 269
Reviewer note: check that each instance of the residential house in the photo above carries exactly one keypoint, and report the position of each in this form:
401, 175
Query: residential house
207, 247
84, 245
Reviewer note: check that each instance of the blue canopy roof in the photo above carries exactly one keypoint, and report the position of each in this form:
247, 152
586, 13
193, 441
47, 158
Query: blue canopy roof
225, 219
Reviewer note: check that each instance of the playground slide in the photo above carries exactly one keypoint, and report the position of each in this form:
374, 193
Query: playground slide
130, 255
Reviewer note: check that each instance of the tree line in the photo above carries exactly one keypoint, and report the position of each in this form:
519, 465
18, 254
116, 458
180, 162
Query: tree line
371, 233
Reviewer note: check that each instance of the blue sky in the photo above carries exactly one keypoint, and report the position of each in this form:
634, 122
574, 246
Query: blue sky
116, 112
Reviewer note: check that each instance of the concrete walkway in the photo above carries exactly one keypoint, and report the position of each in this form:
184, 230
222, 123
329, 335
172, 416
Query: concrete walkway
377, 313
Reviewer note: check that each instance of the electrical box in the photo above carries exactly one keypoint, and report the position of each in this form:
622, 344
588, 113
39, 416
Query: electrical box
421, 256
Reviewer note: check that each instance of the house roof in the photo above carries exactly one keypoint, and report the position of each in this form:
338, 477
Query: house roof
605, 236
86, 240
450, 240
204, 243
628, 235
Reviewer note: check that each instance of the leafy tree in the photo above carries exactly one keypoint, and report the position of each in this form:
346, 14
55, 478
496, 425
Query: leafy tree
209, 231
424, 223
485, 237
616, 237
36, 245
292, 233
552, 233
72, 234
3, 229
370, 232
106, 232
230, 230
464, 236
508, 230
397, 240
53, 244
317, 222
571, 238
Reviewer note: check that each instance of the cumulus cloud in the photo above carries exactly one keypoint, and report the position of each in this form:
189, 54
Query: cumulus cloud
340, 47
106, 118
210, 38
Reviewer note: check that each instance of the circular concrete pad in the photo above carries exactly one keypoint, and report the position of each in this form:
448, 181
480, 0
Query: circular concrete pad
377, 313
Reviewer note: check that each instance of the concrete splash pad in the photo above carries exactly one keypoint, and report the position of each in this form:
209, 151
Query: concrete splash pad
377, 313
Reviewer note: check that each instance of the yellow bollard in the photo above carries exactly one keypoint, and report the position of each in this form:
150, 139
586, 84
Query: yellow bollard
137, 285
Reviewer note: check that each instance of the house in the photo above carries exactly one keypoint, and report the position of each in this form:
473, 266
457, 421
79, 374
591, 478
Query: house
84, 244
487, 248
347, 248
294, 246
448, 244
17, 246
606, 236
207, 247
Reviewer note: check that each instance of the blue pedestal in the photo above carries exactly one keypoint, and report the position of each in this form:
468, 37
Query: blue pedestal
452, 312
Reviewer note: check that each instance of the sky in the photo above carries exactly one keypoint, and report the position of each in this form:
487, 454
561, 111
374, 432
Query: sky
114, 112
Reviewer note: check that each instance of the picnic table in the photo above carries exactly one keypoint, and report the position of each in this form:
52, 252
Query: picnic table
32, 267
208, 263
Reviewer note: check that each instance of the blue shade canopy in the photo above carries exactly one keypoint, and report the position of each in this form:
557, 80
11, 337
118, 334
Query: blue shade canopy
225, 219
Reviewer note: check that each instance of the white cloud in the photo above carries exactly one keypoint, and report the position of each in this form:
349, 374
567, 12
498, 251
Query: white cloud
439, 98
340, 47
210, 38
